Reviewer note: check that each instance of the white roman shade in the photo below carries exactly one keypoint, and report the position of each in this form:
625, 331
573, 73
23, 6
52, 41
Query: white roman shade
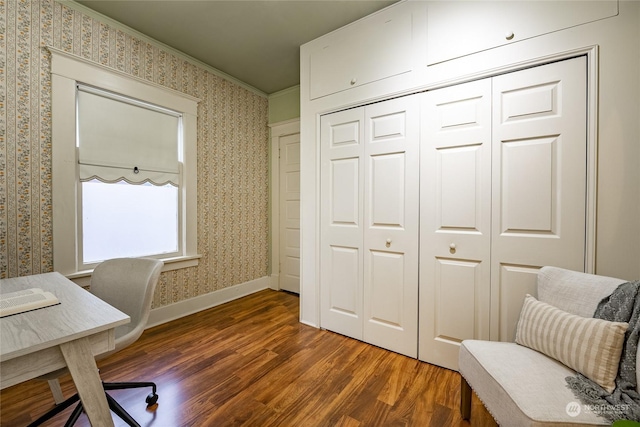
120, 138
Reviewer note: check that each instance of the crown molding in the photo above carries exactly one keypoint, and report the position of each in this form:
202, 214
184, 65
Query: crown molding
284, 92
143, 37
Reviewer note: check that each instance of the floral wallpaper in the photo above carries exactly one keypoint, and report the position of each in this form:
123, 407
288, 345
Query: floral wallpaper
232, 147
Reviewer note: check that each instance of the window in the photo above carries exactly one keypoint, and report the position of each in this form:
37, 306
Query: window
124, 178
129, 169
122, 219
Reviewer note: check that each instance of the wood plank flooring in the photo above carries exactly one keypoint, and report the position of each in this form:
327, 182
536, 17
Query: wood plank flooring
251, 363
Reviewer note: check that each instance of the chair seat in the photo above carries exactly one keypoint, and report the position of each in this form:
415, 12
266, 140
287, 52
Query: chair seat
506, 375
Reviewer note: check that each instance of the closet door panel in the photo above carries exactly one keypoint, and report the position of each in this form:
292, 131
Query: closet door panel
391, 225
458, 194
343, 281
387, 197
455, 220
344, 201
341, 255
456, 281
386, 305
539, 180
516, 281
528, 198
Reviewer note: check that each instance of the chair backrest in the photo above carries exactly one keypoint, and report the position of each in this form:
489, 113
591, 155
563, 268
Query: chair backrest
573, 291
128, 285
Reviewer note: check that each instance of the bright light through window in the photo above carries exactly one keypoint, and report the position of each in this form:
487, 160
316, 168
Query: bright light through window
125, 220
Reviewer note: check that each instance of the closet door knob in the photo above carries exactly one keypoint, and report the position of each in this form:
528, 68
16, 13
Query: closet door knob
388, 243
509, 35
353, 81
452, 248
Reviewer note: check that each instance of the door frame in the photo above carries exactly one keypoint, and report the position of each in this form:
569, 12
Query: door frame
277, 130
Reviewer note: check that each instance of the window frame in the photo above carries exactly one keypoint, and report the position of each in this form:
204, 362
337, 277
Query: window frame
67, 71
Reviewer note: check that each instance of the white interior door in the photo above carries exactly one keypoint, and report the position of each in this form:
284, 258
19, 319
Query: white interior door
289, 148
455, 220
391, 189
539, 181
342, 225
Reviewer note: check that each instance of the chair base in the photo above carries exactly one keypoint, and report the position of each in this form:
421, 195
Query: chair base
151, 399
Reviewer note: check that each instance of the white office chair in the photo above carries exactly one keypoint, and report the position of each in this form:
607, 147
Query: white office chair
127, 284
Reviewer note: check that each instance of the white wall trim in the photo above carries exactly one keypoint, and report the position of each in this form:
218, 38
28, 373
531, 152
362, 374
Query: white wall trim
283, 92
281, 127
189, 306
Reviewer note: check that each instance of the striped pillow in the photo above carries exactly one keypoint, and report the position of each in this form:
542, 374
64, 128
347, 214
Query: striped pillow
589, 346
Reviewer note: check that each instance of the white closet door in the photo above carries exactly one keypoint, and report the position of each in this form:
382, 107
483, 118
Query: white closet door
342, 225
539, 181
391, 224
455, 220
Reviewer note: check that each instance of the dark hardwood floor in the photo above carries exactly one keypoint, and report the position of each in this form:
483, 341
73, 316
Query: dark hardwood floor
251, 363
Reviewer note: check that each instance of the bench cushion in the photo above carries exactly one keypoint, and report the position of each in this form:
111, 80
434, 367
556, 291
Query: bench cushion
506, 375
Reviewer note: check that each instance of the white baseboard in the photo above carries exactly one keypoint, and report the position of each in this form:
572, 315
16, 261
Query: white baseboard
183, 308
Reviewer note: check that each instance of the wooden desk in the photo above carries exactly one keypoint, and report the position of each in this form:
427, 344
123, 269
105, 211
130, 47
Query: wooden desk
69, 334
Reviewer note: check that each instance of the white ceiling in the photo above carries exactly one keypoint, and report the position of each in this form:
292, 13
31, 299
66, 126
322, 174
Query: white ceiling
256, 42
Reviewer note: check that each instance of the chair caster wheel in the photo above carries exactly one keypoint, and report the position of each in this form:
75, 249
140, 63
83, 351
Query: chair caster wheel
152, 398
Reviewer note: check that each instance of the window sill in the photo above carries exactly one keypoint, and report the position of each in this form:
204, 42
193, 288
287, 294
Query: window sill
82, 278
179, 262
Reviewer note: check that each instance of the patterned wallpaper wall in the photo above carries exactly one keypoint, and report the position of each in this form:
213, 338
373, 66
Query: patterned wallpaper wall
232, 147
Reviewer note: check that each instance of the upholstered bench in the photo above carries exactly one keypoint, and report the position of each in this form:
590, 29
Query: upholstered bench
523, 387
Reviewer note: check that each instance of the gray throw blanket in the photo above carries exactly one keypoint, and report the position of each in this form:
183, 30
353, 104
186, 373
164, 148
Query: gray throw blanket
623, 305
